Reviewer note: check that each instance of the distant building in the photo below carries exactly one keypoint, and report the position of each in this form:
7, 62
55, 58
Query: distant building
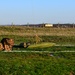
40, 25
48, 25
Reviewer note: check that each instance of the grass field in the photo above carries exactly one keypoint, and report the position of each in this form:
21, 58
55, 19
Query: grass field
40, 63
37, 63
31, 31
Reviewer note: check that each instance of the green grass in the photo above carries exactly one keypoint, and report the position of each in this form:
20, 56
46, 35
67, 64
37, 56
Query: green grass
61, 40
35, 64
47, 46
38, 63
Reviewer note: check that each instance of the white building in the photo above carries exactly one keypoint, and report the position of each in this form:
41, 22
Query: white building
48, 25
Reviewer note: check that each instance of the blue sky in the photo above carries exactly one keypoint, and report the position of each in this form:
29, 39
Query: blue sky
37, 11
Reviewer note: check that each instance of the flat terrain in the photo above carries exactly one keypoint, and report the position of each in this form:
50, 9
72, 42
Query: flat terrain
31, 31
39, 63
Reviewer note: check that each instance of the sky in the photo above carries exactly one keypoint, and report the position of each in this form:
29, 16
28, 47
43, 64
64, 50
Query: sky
37, 11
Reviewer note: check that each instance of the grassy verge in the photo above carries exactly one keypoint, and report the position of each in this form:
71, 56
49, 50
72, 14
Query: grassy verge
24, 31
36, 64
52, 39
39, 63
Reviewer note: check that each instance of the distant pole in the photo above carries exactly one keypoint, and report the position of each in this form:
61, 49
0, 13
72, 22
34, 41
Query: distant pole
73, 25
43, 25
12, 24
28, 24
58, 25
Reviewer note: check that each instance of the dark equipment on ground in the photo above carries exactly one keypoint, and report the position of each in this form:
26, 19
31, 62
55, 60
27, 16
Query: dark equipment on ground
22, 45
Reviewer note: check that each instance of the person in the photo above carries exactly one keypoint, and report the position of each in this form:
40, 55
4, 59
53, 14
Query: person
7, 43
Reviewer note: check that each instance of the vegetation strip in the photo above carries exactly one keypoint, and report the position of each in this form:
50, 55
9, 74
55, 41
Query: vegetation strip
43, 51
